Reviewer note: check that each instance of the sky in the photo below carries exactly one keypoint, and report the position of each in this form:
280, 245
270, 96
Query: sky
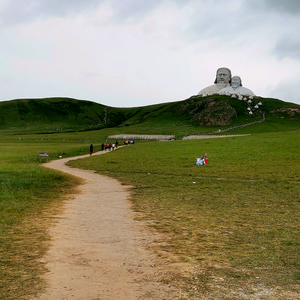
128, 53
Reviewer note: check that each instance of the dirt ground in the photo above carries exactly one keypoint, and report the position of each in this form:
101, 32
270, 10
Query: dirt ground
98, 250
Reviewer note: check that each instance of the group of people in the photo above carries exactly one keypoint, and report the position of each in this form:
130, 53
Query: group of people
203, 160
109, 146
128, 142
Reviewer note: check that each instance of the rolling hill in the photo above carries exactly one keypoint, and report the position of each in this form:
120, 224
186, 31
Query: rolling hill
194, 115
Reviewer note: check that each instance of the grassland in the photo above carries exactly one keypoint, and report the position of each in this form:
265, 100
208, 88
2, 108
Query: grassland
30, 196
235, 220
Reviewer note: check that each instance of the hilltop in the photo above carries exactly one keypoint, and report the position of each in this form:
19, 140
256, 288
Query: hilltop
194, 115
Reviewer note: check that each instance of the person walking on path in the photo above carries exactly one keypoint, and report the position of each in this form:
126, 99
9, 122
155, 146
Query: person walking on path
91, 149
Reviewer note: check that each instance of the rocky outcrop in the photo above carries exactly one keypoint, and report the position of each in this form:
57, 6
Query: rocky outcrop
294, 113
214, 113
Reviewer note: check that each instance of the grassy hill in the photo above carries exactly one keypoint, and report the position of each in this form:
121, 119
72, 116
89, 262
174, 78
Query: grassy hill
191, 116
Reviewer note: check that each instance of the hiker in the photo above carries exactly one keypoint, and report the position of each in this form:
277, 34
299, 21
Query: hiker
102, 146
117, 144
91, 149
113, 147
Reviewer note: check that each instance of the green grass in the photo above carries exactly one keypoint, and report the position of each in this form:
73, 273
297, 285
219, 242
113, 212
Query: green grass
29, 196
237, 217
62, 115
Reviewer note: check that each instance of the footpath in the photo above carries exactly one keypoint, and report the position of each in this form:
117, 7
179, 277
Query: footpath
98, 250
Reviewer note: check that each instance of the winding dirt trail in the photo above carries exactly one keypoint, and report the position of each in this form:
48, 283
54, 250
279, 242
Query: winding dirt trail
98, 250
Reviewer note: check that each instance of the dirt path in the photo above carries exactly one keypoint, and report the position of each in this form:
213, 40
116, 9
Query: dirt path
98, 250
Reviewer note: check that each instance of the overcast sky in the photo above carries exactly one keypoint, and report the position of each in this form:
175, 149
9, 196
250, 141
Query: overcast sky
126, 53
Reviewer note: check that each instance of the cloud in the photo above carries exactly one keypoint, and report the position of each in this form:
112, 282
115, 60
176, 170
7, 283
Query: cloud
14, 12
228, 22
287, 90
111, 63
20, 11
291, 7
140, 52
281, 18
136, 9
133, 9
288, 47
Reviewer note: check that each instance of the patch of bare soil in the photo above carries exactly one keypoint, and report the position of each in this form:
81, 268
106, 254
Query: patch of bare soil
98, 249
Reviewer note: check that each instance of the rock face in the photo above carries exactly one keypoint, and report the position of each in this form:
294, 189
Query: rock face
213, 113
293, 113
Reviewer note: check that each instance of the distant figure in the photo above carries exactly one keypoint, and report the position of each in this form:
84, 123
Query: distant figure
203, 160
198, 161
91, 149
113, 147
236, 88
223, 79
117, 143
102, 146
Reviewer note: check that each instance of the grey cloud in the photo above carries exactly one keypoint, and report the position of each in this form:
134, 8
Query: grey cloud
250, 19
229, 21
216, 20
287, 47
284, 17
280, 6
285, 90
20, 11
131, 8
136, 9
